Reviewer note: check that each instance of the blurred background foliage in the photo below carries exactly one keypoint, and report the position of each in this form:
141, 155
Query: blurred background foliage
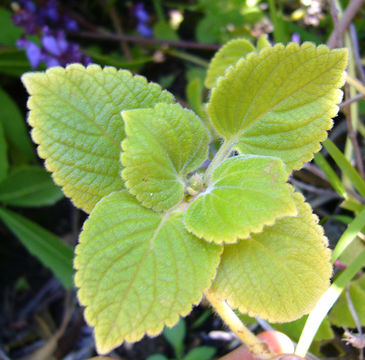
169, 42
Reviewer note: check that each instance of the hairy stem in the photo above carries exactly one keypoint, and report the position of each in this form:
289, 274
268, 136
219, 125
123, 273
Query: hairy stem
235, 324
221, 155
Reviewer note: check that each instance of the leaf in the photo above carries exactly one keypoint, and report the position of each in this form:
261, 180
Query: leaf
20, 146
163, 145
292, 96
201, 353
340, 314
175, 336
138, 270
294, 328
263, 41
227, 56
345, 166
29, 186
13, 62
162, 30
4, 164
48, 248
75, 113
279, 274
246, 193
9, 33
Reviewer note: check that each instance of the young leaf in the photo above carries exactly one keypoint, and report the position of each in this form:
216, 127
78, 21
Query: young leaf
75, 113
176, 336
279, 274
162, 146
263, 42
201, 353
4, 163
227, 56
280, 101
340, 314
29, 186
138, 270
48, 248
246, 193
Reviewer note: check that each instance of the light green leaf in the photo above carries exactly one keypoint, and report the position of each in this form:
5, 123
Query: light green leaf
4, 163
48, 248
13, 122
227, 56
279, 274
340, 314
75, 113
246, 193
138, 270
280, 101
29, 186
162, 146
263, 41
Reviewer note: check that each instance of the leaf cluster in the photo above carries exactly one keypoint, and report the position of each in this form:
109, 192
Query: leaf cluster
168, 219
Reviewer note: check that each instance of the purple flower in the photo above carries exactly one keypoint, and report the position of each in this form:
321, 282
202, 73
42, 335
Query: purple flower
32, 51
141, 13
144, 30
54, 44
295, 37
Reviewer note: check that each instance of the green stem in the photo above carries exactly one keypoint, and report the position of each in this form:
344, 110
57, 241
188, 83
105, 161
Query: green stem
325, 303
221, 155
235, 324
188, 57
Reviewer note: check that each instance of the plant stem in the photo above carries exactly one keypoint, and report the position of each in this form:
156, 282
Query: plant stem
231, 319
221, 155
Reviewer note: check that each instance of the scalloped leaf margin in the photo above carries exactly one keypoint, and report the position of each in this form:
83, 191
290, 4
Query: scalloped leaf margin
75, 115
138, 270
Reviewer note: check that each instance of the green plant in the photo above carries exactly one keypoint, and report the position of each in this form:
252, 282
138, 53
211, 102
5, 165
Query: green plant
176, 336
163, 227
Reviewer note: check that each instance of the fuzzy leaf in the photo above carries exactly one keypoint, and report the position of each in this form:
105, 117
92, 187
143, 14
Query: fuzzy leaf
280, 101
340, 314
279, 274
75, 113
246, 193
138, 270
227, 56
162, 146
263, 41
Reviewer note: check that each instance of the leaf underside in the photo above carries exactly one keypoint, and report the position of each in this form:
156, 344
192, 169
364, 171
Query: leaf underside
246, 193
280, 101
162, 146
75, 115
279, 274
138, 270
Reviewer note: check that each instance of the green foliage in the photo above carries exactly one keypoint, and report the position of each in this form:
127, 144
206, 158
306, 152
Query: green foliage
340, 314
269, 118
148, 252
155, 159
85, 105
284, 258
19, 146
48, 248
246, 192
29, 186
